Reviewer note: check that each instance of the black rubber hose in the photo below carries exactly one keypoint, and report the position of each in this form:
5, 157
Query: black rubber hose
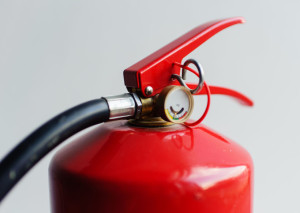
39, 143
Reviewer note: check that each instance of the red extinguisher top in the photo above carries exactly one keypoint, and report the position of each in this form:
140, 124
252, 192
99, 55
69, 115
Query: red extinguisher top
121, 168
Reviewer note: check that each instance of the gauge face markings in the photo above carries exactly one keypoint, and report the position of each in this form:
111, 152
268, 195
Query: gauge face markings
176, 112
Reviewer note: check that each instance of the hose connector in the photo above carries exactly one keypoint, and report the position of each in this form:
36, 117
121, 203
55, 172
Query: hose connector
127, 105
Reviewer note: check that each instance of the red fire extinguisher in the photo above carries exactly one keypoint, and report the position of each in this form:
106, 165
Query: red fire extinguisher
149, 157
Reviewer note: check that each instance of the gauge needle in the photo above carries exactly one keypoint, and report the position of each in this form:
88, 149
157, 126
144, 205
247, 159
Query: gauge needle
176, 112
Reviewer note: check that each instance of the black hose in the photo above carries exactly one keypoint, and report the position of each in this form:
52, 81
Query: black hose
39, 143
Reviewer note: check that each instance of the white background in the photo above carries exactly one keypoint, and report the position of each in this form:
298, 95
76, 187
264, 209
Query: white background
56, 54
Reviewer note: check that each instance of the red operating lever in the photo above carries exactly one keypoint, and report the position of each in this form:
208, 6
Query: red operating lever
155, 70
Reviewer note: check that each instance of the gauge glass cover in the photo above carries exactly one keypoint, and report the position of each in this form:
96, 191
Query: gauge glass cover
178, 105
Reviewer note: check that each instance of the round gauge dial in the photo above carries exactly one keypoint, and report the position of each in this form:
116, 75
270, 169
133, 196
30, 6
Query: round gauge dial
177, 103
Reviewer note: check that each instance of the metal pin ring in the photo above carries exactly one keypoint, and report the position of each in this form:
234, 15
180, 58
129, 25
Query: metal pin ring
181, 78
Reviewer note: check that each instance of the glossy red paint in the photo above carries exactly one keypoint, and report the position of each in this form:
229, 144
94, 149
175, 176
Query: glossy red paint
120, 168
160, 64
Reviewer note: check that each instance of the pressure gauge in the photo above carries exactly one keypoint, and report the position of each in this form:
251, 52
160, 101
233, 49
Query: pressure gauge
175, 104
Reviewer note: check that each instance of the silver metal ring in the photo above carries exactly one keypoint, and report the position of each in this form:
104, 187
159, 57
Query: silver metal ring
183, 77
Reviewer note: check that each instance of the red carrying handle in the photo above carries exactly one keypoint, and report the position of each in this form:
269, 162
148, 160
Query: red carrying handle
155, 70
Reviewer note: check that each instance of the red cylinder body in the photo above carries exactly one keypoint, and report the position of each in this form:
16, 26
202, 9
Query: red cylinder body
121, 168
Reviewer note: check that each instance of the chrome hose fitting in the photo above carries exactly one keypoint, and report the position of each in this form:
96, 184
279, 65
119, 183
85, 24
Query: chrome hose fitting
127, 105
